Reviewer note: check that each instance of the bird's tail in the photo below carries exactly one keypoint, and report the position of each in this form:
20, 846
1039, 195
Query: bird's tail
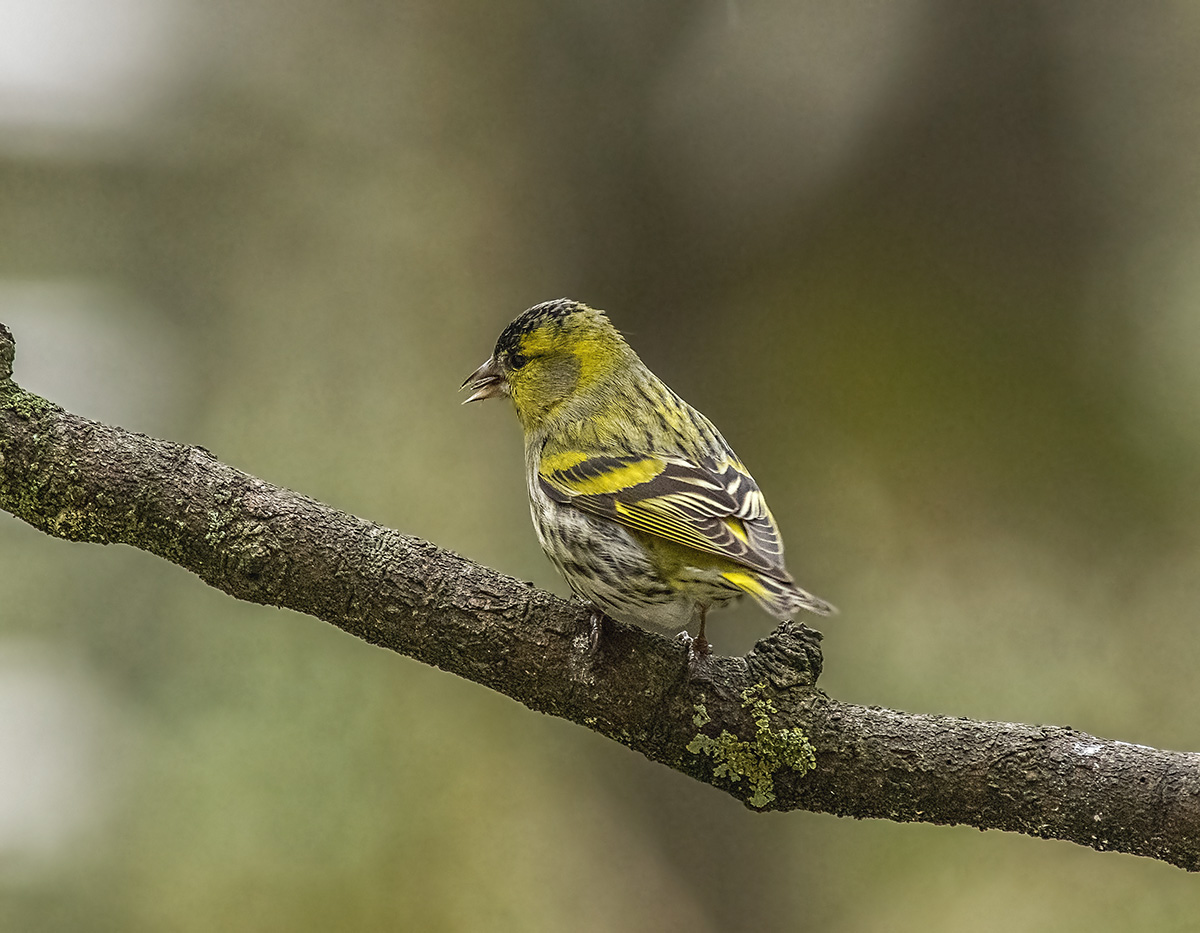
781, 598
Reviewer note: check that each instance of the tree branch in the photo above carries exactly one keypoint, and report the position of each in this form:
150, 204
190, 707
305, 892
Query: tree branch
750, 726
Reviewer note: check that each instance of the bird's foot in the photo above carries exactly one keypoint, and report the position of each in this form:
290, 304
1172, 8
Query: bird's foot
697, 648
595, 629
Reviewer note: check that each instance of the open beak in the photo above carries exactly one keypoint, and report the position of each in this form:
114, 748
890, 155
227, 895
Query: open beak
486, 382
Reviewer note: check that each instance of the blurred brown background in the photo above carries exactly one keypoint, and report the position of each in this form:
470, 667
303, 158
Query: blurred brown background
933, 267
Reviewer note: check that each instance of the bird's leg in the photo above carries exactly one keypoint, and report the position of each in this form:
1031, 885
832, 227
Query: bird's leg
700, 646
595, 627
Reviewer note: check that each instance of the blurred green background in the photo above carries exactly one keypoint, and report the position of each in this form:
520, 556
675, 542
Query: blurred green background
931, 266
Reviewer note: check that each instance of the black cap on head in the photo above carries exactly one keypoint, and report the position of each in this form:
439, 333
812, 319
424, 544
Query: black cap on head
557, 310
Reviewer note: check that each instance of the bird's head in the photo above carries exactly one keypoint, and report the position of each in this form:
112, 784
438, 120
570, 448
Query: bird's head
556, 352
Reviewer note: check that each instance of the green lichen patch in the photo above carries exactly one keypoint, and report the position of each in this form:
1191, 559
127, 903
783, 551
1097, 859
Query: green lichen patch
7, 354
757, 760
26, 405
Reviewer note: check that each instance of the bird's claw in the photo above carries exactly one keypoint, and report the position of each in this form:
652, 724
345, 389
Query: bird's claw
697, 648
595, 628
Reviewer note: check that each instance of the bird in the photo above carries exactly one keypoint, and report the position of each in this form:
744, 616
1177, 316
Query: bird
636, 498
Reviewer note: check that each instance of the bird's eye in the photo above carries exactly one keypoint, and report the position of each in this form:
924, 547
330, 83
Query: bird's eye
517, 360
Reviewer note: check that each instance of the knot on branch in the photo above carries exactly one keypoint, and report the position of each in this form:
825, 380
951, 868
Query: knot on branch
8, 350
788, 657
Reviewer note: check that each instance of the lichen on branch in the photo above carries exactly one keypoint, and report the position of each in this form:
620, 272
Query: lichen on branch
758, 759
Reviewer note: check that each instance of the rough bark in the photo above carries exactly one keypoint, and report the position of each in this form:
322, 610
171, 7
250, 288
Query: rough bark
752, 726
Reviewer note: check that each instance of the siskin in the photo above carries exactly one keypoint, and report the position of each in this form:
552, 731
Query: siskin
637, 499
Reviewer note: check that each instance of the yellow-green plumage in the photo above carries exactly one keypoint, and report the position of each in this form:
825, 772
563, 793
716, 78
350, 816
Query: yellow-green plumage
636, 497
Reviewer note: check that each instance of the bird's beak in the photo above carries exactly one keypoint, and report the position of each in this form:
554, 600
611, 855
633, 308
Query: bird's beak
486, 382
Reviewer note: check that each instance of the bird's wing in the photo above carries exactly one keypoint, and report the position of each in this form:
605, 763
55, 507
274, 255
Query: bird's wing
713, 506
